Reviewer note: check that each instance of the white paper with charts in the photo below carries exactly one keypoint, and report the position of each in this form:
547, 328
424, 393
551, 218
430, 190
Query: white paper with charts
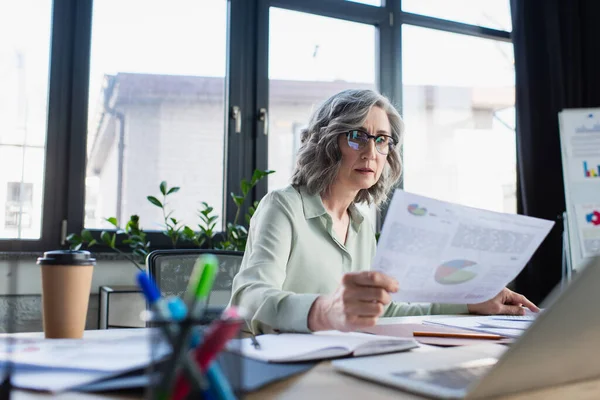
447, 253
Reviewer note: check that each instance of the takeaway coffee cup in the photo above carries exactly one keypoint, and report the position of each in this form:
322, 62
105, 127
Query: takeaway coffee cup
66, 284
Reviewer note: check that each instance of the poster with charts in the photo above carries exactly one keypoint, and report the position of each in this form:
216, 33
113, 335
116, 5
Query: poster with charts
447, 253
580, 150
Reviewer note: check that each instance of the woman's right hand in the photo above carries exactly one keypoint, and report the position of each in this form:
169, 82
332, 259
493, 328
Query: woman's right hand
357, 303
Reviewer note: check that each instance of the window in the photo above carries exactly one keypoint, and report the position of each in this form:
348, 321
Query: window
24, 66
460, 141
305, 68
489, 13
157, 90
19, 202
165, 79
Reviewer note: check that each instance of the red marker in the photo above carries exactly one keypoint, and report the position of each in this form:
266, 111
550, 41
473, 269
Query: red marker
215, 338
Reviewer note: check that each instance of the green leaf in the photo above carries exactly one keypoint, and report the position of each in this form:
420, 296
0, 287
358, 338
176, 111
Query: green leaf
188, 232
92, 242
74, 238
255, 176
154, 201
163, 187
113, 241
140, 253
238, 200
113, 221
258, 175
174, 189
246, 186
86, 235
76, 246
105, 237
174, 221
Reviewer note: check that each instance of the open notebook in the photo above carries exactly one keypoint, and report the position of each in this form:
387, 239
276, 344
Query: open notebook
289, 347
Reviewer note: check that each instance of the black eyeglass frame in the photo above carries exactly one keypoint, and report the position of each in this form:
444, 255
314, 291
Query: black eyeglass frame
391, 144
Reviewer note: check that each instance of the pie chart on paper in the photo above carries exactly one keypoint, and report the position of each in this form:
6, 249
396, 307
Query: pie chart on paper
415, 209
455, 272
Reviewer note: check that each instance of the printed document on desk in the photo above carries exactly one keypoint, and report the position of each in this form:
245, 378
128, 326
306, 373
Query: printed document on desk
484, 324
447, 253
61, 364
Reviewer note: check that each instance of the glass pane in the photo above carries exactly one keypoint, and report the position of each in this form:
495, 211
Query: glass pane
156, 109
489, 13
460, 140
305, 68
25, 32
369, 2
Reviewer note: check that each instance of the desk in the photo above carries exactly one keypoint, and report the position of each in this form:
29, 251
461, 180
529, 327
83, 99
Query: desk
324, 382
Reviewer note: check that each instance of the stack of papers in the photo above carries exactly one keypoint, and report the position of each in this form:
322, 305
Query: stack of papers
505, 325
62, 364
115, 359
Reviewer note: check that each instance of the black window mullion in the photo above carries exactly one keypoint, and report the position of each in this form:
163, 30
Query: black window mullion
59, 100
262, 95
339, 9
241, 92
77, 146
390, 68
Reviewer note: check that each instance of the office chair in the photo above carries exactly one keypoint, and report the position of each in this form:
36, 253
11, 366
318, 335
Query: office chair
171, 270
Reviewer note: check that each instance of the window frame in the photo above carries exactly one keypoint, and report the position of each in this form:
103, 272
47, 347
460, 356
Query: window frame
246, 86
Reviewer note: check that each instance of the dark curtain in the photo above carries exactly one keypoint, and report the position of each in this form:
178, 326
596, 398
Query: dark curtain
557, 64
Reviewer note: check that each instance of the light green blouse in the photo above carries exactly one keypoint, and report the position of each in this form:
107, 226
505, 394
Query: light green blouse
293, 255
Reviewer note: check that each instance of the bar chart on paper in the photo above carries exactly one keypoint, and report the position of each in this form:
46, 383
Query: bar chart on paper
591, 170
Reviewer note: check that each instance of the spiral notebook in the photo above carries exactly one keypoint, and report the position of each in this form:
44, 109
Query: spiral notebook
292, 347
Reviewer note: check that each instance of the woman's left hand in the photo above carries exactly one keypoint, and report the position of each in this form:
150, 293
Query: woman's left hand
506, 302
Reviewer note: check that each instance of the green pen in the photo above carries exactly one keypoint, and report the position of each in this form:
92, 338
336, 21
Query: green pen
208, 267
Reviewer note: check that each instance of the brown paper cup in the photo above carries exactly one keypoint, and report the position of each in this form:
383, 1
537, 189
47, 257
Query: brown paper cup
65, 295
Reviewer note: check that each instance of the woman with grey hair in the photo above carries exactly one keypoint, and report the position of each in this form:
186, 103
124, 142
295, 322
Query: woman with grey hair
309, 250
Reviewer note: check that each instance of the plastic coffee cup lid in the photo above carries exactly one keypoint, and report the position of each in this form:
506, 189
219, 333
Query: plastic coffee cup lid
67, 257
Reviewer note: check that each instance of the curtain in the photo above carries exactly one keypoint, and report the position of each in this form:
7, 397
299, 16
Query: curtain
557, 66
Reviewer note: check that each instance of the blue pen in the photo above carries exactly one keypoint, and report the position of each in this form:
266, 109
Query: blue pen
153, 297
171, 310
219, 382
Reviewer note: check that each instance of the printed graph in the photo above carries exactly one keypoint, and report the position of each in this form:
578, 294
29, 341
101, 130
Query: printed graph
414, 209
591, 172
455, 272
593, 218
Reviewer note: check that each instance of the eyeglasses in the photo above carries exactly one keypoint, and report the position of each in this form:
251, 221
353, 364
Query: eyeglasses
358, 140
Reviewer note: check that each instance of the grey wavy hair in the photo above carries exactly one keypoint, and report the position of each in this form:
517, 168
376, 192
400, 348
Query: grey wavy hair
319, 156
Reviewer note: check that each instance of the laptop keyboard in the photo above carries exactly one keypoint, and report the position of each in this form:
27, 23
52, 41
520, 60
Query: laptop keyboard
456, 378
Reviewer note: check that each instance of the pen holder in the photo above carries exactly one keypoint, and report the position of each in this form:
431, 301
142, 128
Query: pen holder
189, 361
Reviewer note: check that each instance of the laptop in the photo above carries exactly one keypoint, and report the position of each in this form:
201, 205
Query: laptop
559, 347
